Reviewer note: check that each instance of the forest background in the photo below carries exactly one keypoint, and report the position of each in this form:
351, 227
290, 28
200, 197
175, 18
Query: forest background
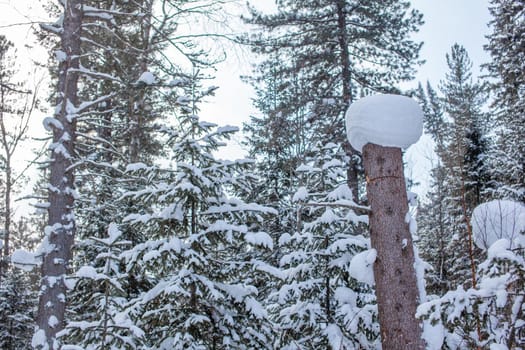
143, 237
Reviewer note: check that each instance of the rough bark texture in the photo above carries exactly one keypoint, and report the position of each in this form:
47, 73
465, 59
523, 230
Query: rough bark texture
395, 276
61, 225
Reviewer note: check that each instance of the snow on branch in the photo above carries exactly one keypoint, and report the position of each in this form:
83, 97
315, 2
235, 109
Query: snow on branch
339, 204
93, 74
87, 104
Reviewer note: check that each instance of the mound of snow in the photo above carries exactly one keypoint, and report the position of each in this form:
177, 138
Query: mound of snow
24, 260
362, 266
147, 78
385, 120
499, 219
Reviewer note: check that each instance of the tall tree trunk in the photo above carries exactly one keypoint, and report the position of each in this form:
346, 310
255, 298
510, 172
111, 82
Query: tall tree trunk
394, 272
4, 251
352, 173
7, 217
7, 205
137, 106
60, 231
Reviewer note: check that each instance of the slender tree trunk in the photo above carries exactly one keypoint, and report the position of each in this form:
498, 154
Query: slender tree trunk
4, 251
394, 272
7, 217
138, 112
60, 231
7, 204
352, 173
345, 55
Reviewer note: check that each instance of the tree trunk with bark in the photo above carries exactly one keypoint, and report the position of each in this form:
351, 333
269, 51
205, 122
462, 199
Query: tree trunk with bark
60, 231
352, 172
394, 272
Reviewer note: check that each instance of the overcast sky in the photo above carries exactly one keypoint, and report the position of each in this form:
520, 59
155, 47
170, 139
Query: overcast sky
446, 22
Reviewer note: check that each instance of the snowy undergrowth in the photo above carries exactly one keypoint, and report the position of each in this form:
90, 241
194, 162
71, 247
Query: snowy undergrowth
489, 315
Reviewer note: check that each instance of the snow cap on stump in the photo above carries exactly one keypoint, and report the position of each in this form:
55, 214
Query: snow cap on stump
385, 120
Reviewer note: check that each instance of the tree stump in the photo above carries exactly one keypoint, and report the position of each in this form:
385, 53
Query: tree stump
394, 271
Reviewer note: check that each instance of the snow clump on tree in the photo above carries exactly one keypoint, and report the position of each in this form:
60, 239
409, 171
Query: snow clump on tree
499, 219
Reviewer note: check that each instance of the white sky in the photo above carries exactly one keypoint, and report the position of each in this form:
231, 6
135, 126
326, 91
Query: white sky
446, 22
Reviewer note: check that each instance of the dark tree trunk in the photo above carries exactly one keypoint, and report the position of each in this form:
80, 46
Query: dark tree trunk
5, 250
394, 272
352, 173
137, 105
60, 231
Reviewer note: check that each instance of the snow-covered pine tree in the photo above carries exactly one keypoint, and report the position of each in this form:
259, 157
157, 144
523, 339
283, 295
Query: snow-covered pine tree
433, 214
326, 53
17, 289
202, 257
457, 124
307, 80
18, 303
100, 317
113, 53
130, 76
19, 292
278, 140
464, 159
316, 303
507, 81
121, 122
489, 315
467, 145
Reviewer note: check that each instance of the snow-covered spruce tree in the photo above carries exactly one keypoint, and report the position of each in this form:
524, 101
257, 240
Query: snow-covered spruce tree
506, 45
104, 322
434, 217
19, 292
278, 139
129, 75
312, 69
316, 303
17, 302
17, 288
84, 120
327, 53
464, 158
457, 124
202, 257
435, 235
490, 315
111, 132
467, 145
89, 143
